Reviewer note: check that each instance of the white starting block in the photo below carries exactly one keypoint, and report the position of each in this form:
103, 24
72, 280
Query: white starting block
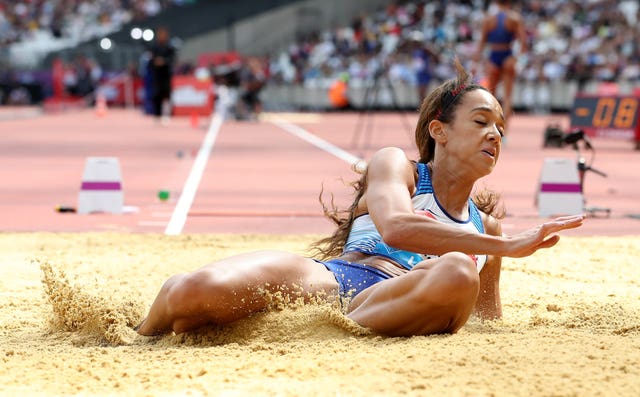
559, 192
101, 188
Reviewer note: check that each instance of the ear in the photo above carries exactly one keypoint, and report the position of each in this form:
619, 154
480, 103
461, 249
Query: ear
437, 131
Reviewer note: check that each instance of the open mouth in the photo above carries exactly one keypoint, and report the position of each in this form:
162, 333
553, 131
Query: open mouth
490, 152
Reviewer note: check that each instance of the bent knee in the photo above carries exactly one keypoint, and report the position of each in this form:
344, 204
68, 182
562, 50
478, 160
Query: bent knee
186, 291
454, 276
461, 269
444, 293
458, 259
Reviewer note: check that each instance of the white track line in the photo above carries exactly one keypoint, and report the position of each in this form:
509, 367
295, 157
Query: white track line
180, 212
316, 141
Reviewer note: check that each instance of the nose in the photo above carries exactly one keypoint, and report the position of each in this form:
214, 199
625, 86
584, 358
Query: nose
494, 133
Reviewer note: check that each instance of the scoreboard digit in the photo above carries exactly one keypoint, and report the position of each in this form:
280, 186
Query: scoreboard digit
606, 115
626, 114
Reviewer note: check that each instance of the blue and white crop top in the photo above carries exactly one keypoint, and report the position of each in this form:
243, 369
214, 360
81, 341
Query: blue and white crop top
364, 236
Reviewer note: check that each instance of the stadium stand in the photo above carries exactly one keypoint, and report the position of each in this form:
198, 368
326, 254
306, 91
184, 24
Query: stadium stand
575, 45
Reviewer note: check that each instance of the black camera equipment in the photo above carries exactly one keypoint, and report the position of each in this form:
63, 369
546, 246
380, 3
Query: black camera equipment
573, 138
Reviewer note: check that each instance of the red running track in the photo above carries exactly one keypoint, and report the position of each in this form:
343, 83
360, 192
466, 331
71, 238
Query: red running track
259, 177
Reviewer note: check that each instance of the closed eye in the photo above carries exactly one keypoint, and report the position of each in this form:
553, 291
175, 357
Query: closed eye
482, 123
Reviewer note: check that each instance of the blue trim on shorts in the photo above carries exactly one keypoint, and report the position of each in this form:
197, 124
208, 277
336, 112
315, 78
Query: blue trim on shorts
353, 278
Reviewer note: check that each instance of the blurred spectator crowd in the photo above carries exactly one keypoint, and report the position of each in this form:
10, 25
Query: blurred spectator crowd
569, 40
72, 19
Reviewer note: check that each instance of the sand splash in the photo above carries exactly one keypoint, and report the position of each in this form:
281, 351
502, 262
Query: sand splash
99, 317
104, 317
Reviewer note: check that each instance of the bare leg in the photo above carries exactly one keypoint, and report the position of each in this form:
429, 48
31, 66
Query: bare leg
228, 290
437, 296
493, 77
508, 77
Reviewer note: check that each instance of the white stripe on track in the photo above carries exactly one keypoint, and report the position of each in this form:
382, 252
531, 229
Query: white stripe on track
180, 212
316, 141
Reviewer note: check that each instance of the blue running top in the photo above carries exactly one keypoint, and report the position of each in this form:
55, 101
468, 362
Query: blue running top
364, 236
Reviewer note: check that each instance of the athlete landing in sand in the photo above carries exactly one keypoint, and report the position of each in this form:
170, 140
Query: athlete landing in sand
416, 253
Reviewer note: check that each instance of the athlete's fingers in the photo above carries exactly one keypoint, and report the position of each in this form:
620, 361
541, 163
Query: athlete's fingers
563, 223
569, 218
550, 242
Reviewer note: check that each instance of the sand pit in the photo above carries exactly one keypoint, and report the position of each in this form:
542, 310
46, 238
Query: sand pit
571, 327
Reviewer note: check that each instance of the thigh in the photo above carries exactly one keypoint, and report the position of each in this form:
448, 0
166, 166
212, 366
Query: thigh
493, 76
272, 271
436, 296
234, 288
509, 66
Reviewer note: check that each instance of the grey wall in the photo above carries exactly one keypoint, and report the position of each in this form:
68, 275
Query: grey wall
275, 30
539, 97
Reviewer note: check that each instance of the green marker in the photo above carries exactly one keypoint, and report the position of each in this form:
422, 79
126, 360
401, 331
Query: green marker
163, 195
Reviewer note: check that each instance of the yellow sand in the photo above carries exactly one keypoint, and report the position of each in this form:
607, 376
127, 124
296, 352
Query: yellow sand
571, 327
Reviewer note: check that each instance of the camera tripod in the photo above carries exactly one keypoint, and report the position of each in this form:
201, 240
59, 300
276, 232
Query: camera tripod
371, 95
583, 168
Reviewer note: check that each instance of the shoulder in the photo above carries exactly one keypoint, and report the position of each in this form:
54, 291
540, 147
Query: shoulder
390, 162
492, 225
489, 22
514, 17
389, 156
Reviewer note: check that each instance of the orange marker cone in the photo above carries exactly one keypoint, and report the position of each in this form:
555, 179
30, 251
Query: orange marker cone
101, 105
195, 120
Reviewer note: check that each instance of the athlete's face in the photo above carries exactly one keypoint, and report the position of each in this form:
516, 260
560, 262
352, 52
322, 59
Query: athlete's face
474, 136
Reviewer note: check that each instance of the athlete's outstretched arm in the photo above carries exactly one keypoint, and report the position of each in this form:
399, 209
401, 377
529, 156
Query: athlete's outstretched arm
390, 184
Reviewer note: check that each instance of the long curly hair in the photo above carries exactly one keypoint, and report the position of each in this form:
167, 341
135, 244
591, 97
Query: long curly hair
440, 104
330, 247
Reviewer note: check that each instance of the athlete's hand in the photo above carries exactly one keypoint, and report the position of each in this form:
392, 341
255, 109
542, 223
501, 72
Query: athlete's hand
542, 236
